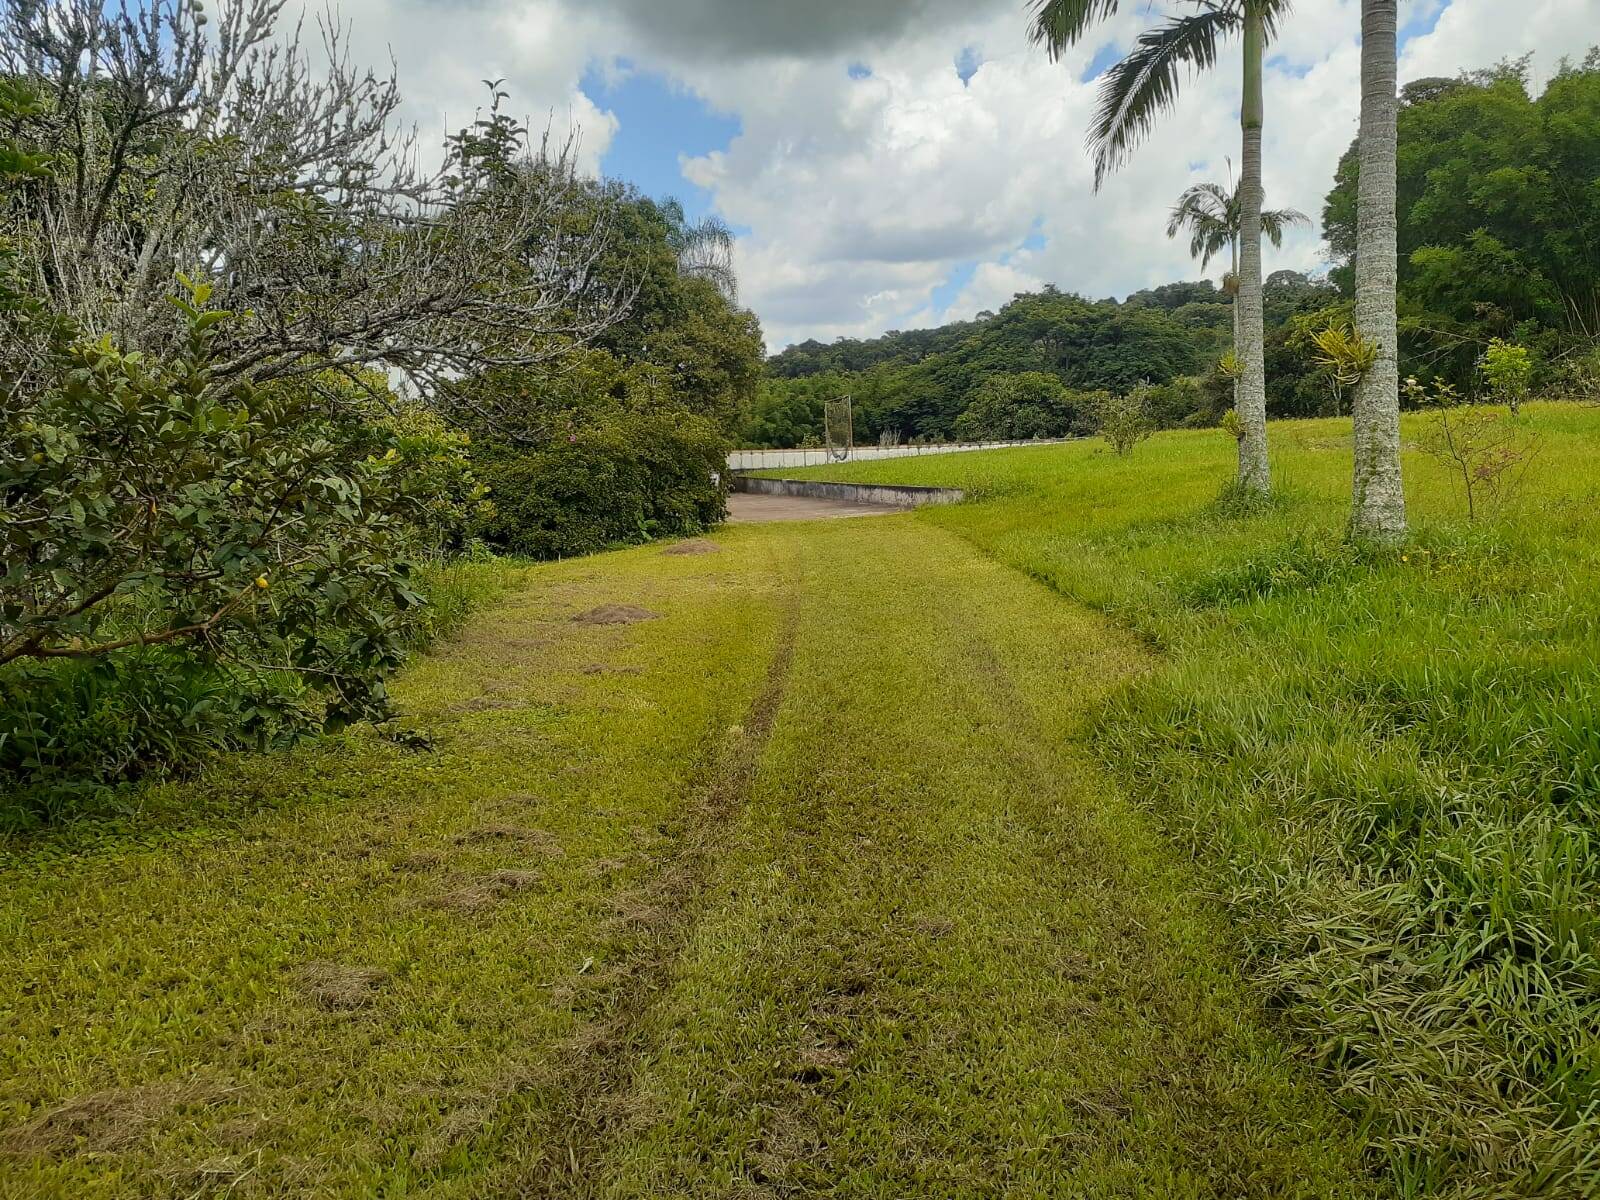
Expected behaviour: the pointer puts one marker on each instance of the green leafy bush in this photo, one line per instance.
(145, 506)
(1124, 420)
(192, 564)
(1508, 370)
(630, 476)
(73, 731)
(443, 497)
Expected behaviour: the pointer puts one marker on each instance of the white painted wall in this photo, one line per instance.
(766, 460)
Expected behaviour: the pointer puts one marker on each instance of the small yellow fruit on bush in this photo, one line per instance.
(261, 581)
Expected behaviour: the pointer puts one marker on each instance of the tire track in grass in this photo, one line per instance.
(930, 968)
(1192, 1076)
(367, 967)
(591, 1080)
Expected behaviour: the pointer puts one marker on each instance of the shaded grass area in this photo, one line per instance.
(1388, 762)
(800, 879)
(82, 740)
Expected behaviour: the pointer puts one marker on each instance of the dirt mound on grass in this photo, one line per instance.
(485, 892)
(694, 546)
(336, 986)
(539, 838)
(615, 614)
(422, 860)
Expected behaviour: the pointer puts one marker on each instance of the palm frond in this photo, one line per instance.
(1202, 202)
(1145, 84)
(1206, 211)
(1275, 222)
(1058, 24)
(720, 274)
(1207, 244)
(710, 233)
(1272, 14)
(705, 251)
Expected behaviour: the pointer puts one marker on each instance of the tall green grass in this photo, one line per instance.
(1388, 761)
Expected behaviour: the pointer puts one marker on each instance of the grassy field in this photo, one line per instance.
(801, 879)
(1094, 838)
(1388, 764)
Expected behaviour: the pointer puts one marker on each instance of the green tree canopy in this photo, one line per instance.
(1499, 207)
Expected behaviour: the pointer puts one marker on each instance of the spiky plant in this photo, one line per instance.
(1136, 93)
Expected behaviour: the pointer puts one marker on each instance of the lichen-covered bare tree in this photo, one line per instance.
(1142, 87)
(1379, 510)
(269, 164)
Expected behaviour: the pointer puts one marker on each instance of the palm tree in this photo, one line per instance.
(704, 248)
(1212, 217)
(1379, 508)
(1136, 92)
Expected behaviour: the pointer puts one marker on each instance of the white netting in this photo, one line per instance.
(838, 427)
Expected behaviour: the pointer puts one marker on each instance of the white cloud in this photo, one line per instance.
(444, 53)
(863, 196)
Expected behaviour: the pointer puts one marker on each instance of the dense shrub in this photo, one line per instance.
(1018, 407)
(190, 564)
(628, 477)
(78, 735)
(443, 496)
(213, 518)
(71, 730)
(250, 524)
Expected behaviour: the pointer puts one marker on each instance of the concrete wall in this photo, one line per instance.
(764, 460)
(893, 495)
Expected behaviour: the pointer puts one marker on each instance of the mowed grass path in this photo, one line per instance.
(807, 886)
(1387, 764)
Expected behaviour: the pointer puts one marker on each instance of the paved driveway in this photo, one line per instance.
(747, 508)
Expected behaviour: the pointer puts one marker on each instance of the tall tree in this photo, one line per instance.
(1136, 92)
(1499, 218)
(276, 170)
(1379, 508)
(1212, 217)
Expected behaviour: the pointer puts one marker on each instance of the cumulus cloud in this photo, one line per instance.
(891, 148)
(444, 53)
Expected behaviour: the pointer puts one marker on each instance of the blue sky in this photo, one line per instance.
(659, 123)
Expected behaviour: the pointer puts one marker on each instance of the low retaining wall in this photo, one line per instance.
(766, 460)
(890, 495)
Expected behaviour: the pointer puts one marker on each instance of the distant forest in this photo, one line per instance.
(1499, 238)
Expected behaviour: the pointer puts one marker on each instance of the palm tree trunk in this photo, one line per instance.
(1254, 472)
(1379, 509)
(1235, 299)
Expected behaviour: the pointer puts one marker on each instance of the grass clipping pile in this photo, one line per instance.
(615, 614)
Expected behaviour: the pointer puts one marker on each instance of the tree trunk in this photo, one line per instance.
(1235, 306)
(1254, 473)
(1379, 509)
